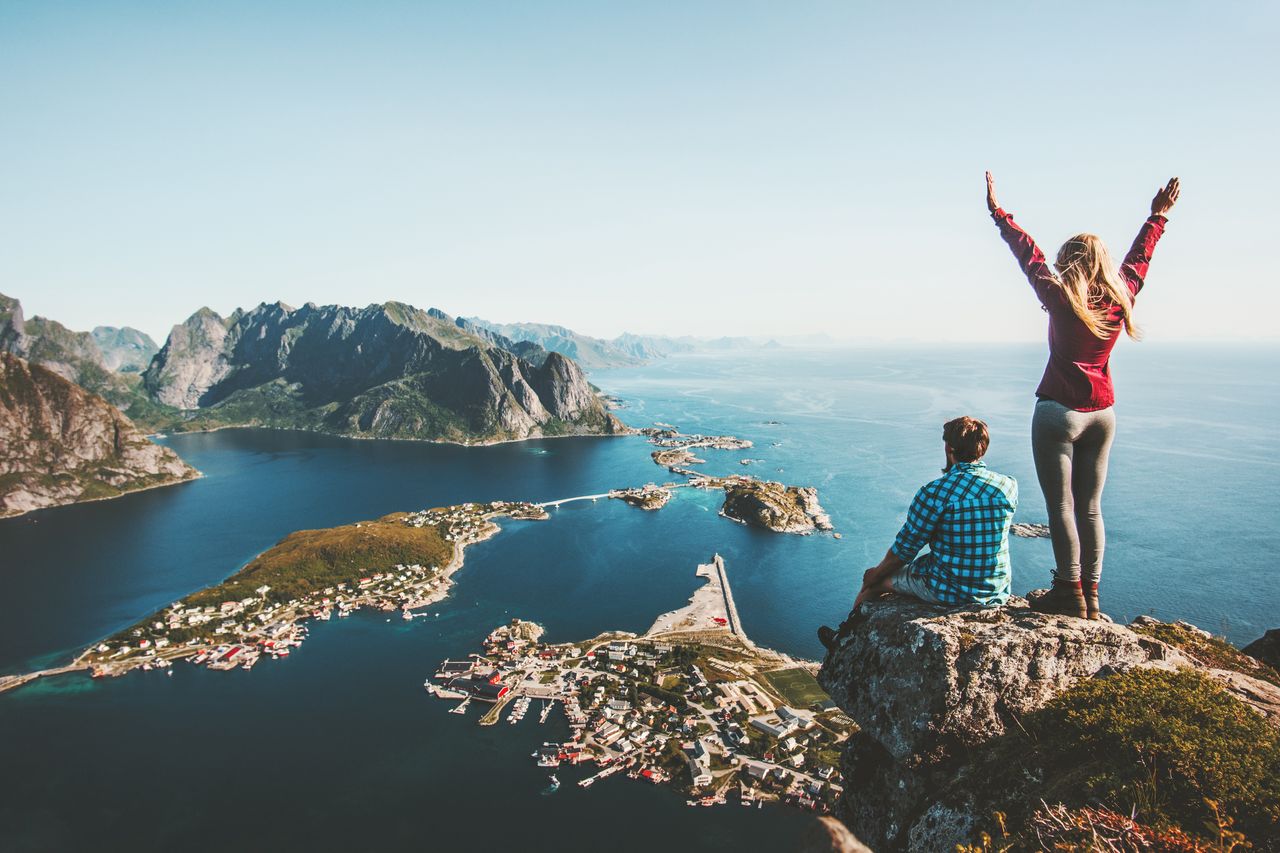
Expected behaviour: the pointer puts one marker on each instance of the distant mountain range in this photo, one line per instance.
(626, 350)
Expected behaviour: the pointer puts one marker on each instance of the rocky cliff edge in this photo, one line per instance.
(941, 695)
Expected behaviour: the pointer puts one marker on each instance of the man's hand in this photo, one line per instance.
(869, 580)
(1166, 197)
(991, 193)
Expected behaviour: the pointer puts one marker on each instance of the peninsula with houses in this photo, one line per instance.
(692, 703)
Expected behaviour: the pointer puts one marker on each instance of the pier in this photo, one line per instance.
(711, 608)
(731, 609)
(8, 682)
(494, 714)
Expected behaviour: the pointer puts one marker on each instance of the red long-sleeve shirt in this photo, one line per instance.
(1078, 374)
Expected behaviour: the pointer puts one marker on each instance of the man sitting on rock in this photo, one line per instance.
(964, 517)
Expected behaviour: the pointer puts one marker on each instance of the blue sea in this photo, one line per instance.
(338, 747)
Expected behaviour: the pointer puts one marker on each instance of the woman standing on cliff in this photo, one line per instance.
(1089, 302)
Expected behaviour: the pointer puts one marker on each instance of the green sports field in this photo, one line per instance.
(797, 686)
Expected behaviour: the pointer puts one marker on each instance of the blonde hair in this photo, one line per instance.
(1089, 279)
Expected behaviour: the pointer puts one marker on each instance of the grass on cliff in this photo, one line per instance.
(309, 560)
(1209, 651)
(1171, 748)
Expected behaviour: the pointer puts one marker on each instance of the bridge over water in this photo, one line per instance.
(546, 504)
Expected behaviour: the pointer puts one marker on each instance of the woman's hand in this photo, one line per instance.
(1164, 201)
(991, 193)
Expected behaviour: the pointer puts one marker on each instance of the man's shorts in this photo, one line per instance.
(909, 580)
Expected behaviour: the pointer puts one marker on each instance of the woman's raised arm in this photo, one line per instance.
(1030, 258)
(1138, 261)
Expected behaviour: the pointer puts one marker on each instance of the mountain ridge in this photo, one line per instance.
(386, 370)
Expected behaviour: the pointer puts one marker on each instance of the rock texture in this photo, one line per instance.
(929, 685)
(388, 370)
(60, 444)
(827, 835)
(124, 349)
(774, 506)
(1266, 648)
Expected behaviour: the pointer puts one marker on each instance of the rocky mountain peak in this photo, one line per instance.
(563, 387)
(125, 349)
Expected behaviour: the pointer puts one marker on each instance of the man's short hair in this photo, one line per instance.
(967, 437)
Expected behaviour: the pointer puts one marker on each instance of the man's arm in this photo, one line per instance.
(1138, 261)
(922, 520)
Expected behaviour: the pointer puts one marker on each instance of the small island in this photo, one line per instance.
(675, 457)
(675, 447)
(648, 496)
(774, 506)
(748, 500)
(691, 703)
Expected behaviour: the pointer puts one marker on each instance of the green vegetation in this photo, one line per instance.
(1171, 748)
(1210, 651)
(274, 404)
(797, 686)
(309, 560)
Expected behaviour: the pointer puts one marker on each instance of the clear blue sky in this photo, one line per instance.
(719, 168)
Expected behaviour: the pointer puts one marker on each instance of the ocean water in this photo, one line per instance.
(339, 747)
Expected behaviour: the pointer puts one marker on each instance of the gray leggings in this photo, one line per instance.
(1071, 450)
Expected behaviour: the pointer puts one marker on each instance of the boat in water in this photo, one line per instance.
(553, 787)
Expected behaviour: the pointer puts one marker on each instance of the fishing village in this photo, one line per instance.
(691, 703)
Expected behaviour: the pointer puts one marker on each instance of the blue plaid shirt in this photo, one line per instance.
(963, 516)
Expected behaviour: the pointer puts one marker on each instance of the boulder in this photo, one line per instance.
(929, 686)
(1266, 648)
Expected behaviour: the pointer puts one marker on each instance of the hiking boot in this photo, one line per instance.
(827, 636)
(1091, 601)
(1066, 598)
